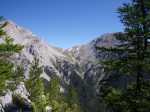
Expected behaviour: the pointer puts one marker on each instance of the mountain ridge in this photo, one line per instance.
(77, 66)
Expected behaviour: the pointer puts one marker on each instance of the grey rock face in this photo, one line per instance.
(21, 91)
(77, 66)
(6, 99)
(1, 108)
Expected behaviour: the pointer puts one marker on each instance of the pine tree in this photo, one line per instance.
(7, 49)
(54, 88)
(133, 60)
(54, 97)
(17, 77)
(59, 101)
(73, 104)
(35, 87)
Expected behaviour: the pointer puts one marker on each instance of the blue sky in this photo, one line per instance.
(64, 23)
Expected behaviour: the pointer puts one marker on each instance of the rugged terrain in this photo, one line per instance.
(77, 66)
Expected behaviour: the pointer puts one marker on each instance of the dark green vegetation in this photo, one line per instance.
(41, 96)
(124, 85)
(35, 87)
(132, 62)
(7, 49)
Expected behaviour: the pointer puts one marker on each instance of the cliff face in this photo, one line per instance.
(77, 66)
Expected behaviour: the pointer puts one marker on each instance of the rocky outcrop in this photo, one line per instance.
(77, 66)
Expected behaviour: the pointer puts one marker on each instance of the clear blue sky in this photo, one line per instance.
(64, 23)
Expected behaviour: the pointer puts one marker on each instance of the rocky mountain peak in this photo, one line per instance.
(76, 66)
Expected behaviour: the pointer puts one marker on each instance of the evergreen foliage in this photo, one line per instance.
(59, 101)
(35, 87)
(17, 77)
(7, 49)
(51, 95)
(133, 60)
(73, 101)
(54, 98)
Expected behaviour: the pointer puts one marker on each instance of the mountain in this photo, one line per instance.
(77, 66)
